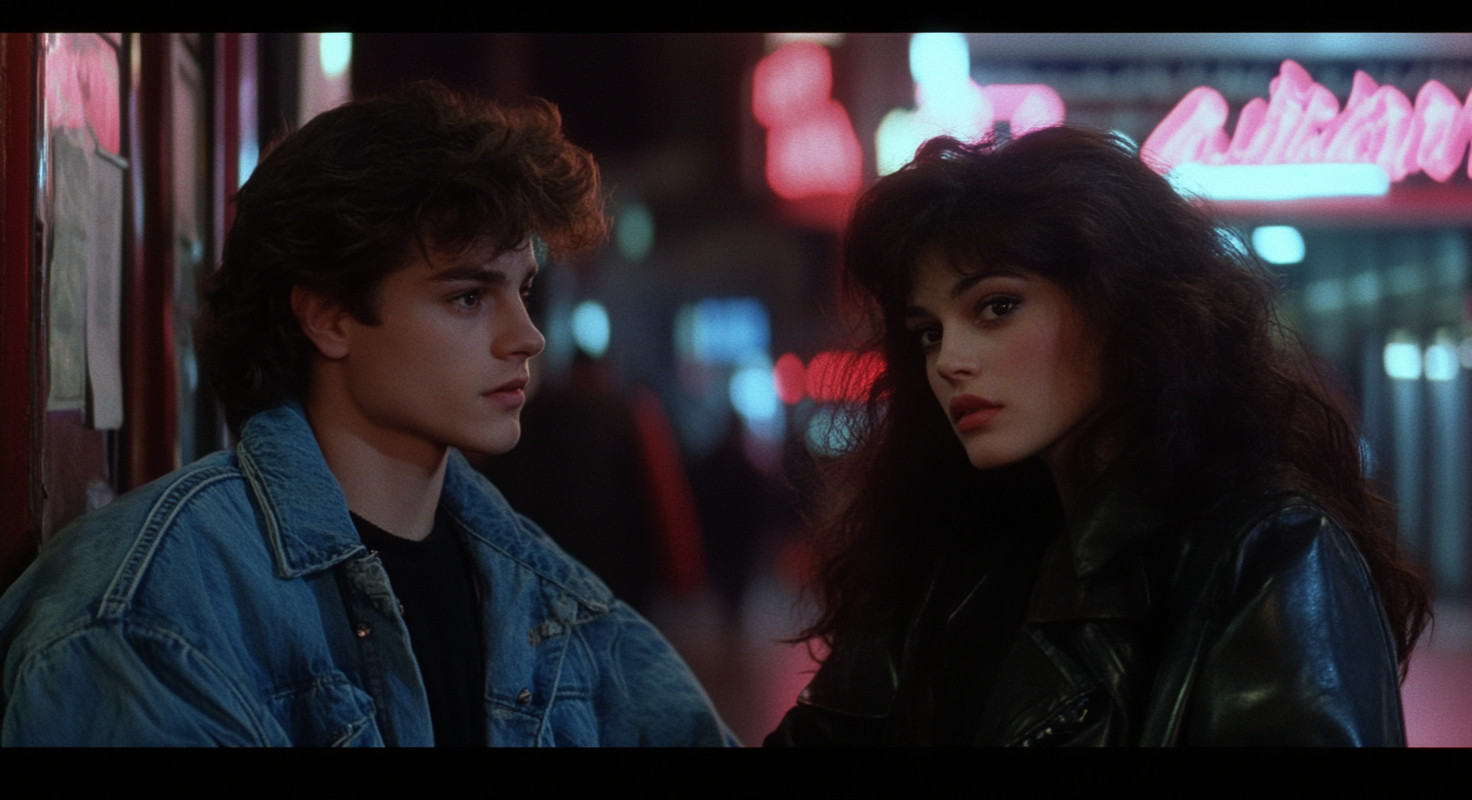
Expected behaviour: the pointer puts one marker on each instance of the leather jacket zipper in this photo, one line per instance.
(1070, 718)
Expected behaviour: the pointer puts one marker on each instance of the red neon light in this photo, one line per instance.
(811, 145)
(790, 378)
(1302, 123)
(819, 155)
(1025, 106)
(789, 81)
(842, 376)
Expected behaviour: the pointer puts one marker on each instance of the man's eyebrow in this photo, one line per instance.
(480, 273)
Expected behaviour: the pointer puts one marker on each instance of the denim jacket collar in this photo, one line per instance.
(308, 528)
(485, 516)
(306, 518)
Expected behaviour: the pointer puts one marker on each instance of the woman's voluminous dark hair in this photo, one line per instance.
(354, 195)
(1201, 382)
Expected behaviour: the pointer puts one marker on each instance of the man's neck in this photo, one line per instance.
(395, 488)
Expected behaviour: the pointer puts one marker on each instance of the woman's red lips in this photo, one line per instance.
(970, 412)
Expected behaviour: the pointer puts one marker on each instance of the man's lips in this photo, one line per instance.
(970, 412)
(509, 392)
(515, 385)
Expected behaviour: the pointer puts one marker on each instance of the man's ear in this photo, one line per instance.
(325, 322)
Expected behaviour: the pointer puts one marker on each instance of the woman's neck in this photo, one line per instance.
(1081, 456)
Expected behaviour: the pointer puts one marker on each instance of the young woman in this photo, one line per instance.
(1101, 496)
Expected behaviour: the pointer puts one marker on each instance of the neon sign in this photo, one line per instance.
(1301, 123)
(1297, 142)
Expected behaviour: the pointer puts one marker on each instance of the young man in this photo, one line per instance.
(342, 576)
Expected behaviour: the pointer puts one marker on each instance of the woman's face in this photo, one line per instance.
(1009, 358)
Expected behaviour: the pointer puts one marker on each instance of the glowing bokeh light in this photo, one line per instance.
(949, 102)
(250, 155)
(789, 82)
(790, 378)
(633, 232)
(896, 139)
(781, 39)
(1324, 296)
(753, 394)
(820, 155)
(832, 430)
(1364, 288)
(733, 331)
(842, 376)
(590, 328)
(1278, 244)
(335, 52)
(812, 149)
(1025, 106)
(1440, 359)
(1402, 359)
(1441, 363)
(939, 60)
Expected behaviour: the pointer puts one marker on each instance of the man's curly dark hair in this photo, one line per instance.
(341, 203)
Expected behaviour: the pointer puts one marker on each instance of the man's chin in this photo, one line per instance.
(485, 448)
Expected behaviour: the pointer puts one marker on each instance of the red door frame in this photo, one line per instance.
(19, 337)
(147, 439)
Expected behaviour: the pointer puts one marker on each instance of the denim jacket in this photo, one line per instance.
(232, 603)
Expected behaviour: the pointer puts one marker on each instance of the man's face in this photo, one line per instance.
(446, 364)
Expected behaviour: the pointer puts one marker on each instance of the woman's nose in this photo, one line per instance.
(954, 362)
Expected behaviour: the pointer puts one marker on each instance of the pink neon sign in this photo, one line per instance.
(1025, 107)
(811, 145)
(1301, 122)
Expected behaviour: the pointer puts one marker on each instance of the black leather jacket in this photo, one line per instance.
(1257, 625)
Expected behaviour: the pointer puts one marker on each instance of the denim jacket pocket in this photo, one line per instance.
(326, 711)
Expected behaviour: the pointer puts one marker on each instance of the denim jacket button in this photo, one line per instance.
(524, 696)
(363, 629)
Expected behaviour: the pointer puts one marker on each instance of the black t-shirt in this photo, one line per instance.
(436, 586)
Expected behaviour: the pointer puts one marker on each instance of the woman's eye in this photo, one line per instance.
(928, 337)
(998, 306)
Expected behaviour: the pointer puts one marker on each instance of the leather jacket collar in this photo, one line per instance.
(1097, 569)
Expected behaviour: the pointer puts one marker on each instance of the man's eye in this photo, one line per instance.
(467, 300)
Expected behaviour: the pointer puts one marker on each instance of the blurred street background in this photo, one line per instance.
(687, 386)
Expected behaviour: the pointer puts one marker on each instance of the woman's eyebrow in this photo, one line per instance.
(971, 279)
(967, 281)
